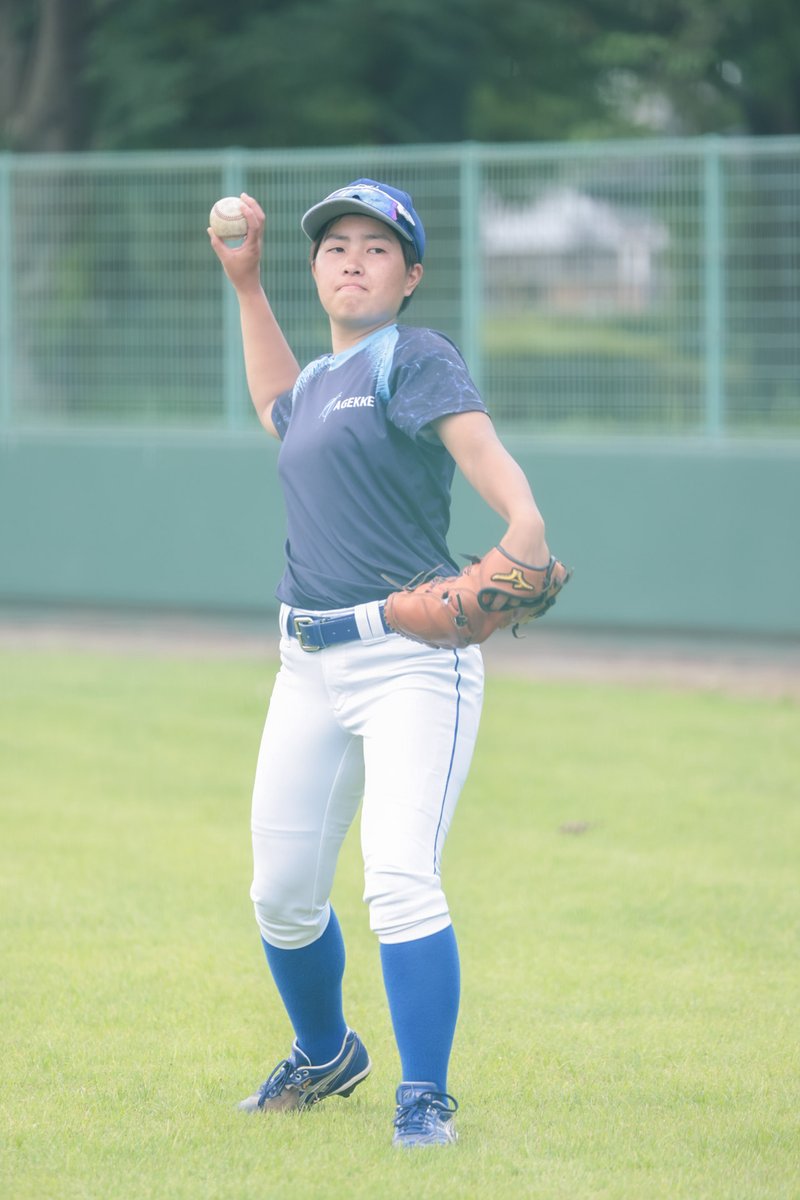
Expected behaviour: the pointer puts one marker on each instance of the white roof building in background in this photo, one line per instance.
(572, 252)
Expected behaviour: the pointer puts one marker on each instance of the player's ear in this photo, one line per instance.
(412, 278)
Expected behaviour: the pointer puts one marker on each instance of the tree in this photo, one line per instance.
(41, 93)
(111, 74)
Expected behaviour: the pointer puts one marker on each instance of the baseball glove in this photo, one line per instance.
(491, 593)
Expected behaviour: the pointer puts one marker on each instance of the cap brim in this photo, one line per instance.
(319, 216)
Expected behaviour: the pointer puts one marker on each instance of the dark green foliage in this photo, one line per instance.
(109, 74)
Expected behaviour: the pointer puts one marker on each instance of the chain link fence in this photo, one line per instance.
(631, 287)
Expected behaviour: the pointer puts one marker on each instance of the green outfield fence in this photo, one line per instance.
(625, 287)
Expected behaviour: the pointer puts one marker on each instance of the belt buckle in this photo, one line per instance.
(300, 624)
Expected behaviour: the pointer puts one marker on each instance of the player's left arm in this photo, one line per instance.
(498, 479)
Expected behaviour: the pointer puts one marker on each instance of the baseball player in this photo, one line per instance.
(363, 715)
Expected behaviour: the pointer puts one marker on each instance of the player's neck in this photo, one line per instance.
(344, 337)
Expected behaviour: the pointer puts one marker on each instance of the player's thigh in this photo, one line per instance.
(308, 782)
(418, 745)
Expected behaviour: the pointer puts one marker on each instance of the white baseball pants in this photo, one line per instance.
(383, 719)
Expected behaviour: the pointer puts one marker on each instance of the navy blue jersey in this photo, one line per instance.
(365, 480)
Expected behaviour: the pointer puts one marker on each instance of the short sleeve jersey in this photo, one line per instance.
(366, 482)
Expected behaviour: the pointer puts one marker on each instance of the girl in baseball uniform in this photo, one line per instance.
(370, 437)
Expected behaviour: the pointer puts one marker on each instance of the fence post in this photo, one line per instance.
(6, 299)
(471, 261)
(233, 362)
(714, 284)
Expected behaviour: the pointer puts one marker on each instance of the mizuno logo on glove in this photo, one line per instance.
(516, 579)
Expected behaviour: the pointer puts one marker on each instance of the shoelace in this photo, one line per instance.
(277, 1081)
(417, 1115)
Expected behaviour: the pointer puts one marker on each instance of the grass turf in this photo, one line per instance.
(623, 877)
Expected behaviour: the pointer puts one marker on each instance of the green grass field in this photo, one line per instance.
(630, 1002)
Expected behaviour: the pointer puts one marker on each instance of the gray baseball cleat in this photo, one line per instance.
(296, 1085)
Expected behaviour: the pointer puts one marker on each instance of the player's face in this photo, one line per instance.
(361, 276)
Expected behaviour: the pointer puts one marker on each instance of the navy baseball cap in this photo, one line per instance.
(373, 199)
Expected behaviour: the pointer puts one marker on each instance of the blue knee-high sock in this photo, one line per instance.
(309, 981)
(423, 985)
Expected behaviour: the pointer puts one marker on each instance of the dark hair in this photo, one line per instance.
(409, 252)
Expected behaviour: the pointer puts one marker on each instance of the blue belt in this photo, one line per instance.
(317, 633)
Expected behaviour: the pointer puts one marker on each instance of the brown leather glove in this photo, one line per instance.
(491, 593)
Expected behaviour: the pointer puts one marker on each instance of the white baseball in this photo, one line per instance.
(226, 218)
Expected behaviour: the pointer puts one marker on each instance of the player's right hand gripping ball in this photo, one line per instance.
(491, 593)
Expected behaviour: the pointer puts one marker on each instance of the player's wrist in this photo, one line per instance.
(525, 541)
(249, 290)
